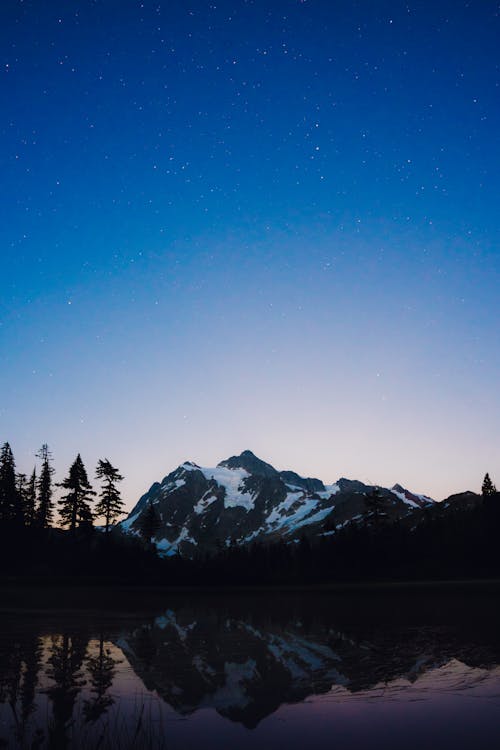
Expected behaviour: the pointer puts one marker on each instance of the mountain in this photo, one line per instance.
(244, 499)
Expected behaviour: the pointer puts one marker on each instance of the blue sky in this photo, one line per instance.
(239, 225)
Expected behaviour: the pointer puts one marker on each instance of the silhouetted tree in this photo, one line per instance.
(22, 486)
(110, 504)
(26, 489)
(74, 506)
(29, 500)
(45, 510)
(488, 487)
(10, 502)
(149, 523)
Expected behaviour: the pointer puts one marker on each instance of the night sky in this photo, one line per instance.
(268, 224)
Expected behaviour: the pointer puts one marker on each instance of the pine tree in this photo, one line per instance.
(45, 511)
(10, 502)
(110, 504)
(74, 506)
(488, 487)
(149, 523)
(30, 500)
(22, 489)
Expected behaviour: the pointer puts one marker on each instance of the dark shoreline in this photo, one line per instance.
(441, 597)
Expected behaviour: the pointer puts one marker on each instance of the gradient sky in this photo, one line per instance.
(265, 225)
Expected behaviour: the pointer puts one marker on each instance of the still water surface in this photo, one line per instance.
(292, 671)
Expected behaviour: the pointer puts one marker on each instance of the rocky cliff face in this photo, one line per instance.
(244, 499)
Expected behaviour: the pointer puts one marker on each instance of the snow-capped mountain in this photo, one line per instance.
(244, 499)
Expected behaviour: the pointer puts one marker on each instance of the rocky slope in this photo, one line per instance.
(244, 499)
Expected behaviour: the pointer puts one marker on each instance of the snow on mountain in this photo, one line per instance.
(244, 499)
(233, 482)
(414, 500)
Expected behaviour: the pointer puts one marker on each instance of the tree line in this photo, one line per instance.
(29, 501)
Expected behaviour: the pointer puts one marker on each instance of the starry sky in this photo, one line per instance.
(252, 224)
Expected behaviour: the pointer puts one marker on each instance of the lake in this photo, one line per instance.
(402, 668)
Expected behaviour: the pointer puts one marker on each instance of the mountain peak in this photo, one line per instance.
(398, 488)
(251, 463)
(412, 498)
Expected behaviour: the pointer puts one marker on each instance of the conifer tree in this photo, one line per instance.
(22, 488)
(149, 523)
(488, 487)
(110, 504)
(10, 502)
(74, 506)
(29, 504)
(45, 510)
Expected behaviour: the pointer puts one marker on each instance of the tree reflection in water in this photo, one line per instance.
(101, 669)
(20, 661)
(64, 668)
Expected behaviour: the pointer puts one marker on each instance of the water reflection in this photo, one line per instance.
(101, 669)
(245, 670)
(233, 672)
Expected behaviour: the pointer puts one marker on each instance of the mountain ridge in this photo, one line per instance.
(245, 499)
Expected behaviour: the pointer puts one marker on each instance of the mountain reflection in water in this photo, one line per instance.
(266, 673)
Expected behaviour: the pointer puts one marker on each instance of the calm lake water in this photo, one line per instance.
(399, 670)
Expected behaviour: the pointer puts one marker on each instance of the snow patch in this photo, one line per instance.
(315, 518)
(283, 514)
(253, 534)
(127, 523)
(405, 499)
(167, 549)
(305, 512)
(207, 499)
(190, 466)
(172, 486)
(330, 489)
(231, 480)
